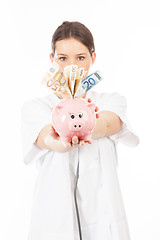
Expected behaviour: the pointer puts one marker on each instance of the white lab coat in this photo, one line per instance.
(100, 204)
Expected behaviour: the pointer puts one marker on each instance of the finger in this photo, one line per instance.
(96, 109)
(67, 144)
(89, 142)
(75, 140)
(82, 142)
(97, 115)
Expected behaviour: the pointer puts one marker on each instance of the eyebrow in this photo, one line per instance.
(81, 54)
(62, 54)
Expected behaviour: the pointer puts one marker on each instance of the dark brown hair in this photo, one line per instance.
(73, 30)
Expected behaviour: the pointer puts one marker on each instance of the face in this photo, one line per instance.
(71, 51)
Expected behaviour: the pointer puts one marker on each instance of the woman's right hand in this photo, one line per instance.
(68, 146)
(74, 143)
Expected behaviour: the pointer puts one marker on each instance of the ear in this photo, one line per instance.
(51, 57)
(92, 106)
(93, 57)
(58, 109)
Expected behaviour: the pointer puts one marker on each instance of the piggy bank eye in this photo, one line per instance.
(72, 116)
(80, 115)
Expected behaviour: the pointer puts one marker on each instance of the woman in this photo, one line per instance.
(96, 210)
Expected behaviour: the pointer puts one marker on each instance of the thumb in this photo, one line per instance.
(75, 140)
(52, 131)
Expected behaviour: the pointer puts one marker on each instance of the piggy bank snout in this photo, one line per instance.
(76, 126)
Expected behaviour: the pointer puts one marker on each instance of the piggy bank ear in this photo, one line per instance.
(92, 107)
(58, 109)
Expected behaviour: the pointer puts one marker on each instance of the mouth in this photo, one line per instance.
(75, 130)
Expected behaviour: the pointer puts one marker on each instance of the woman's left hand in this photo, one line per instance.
(96, 109)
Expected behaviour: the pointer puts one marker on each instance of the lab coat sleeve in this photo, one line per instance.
(117, 104)
(35, 115)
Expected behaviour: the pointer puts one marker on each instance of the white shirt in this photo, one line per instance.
(100, 204)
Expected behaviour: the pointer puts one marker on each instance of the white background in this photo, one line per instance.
(127, 39)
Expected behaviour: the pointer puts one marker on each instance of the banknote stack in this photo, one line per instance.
(70, 83)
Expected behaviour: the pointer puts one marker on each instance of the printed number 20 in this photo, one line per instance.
(90, 82)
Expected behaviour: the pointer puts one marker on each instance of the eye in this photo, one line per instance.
(62, 59)
(81, 58)
(72, 116)
(80, 115)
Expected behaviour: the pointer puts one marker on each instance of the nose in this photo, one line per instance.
(77, 126)
(72, 62)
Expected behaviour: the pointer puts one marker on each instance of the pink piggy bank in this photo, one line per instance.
(74, 117)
